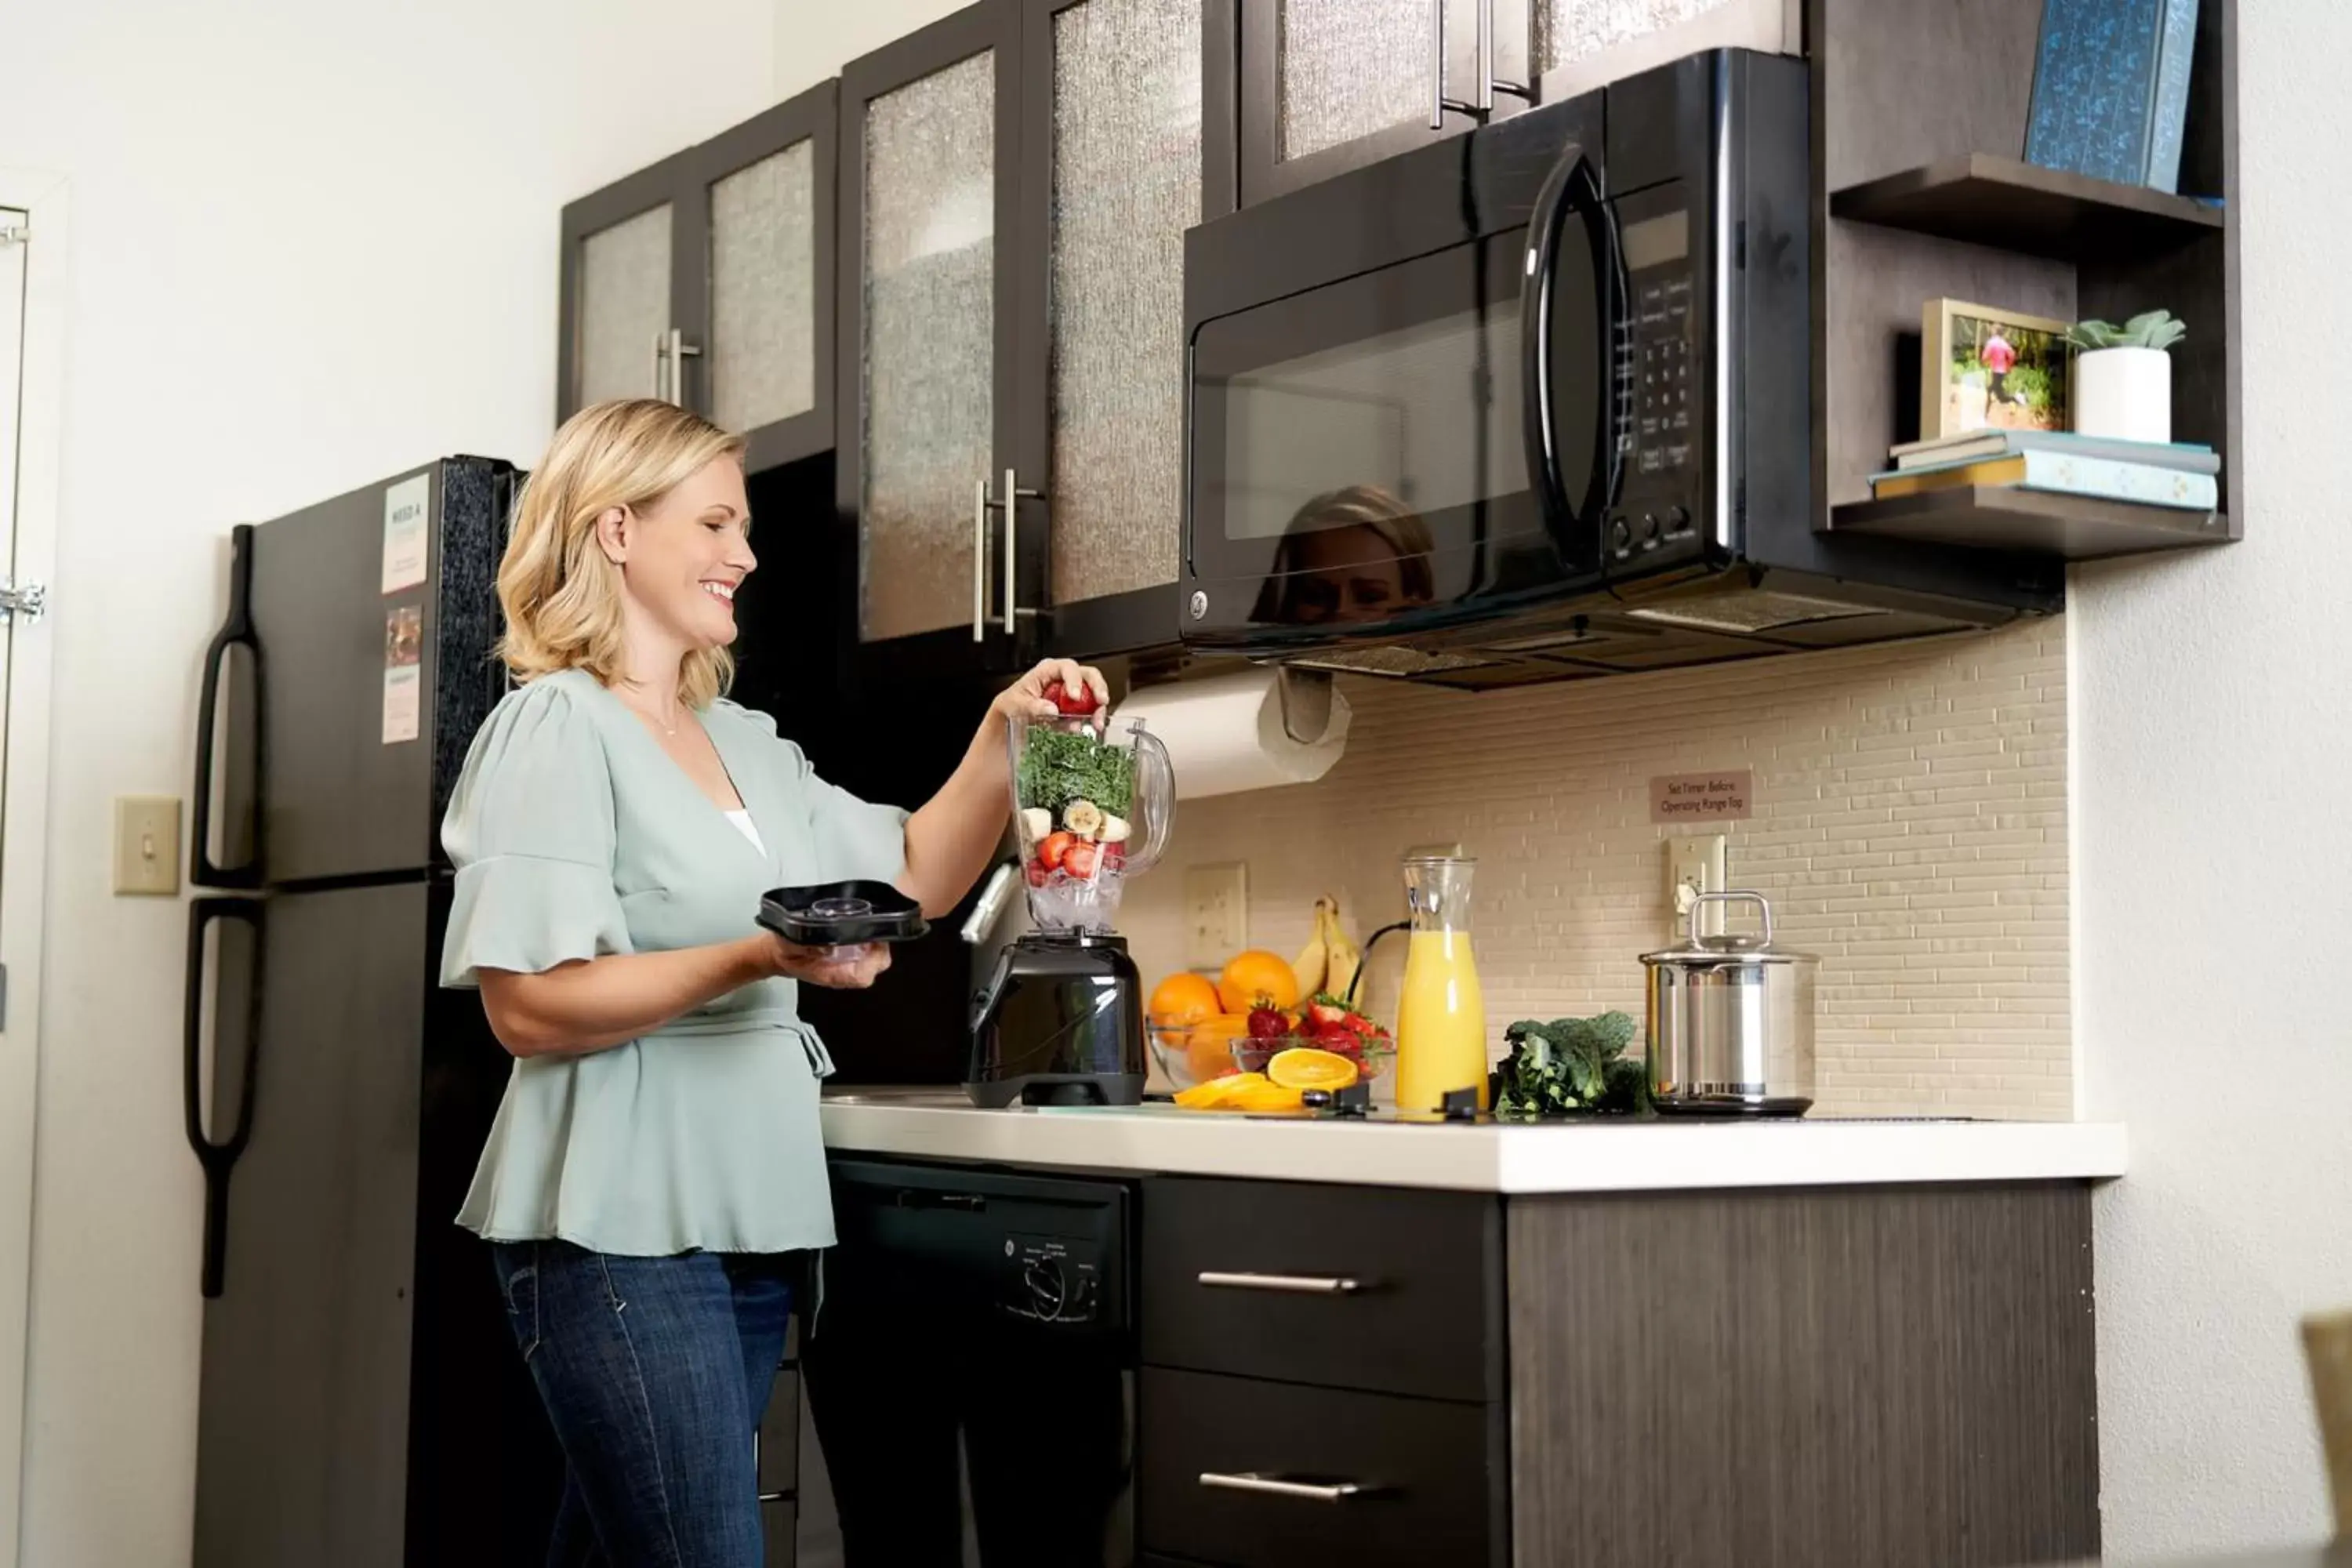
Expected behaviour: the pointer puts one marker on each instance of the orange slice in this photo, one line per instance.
(1265, 1097)
(1302, 1066)
(1219, 1093)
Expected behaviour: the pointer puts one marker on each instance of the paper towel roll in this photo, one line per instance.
(1255, 729)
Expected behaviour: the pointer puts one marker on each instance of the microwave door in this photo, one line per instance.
(1575, 364)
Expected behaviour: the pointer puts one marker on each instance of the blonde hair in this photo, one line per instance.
(562, 594)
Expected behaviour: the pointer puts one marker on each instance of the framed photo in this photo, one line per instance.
(1987, 369)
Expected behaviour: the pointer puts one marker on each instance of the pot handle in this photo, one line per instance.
(1763, 907)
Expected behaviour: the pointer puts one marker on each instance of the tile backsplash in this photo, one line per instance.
(1909, 828)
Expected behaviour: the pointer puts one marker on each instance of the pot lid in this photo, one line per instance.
(1728, 948)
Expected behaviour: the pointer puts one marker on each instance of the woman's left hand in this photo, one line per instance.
(1027, 698)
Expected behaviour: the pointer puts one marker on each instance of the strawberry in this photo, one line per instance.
(1336, 1040)
(1268, 1023)
(1357, 1024)
(1039, 873)
(1075, 704)
(1321, 1011)
(1114, 855)
(1053, 851)
(1079, 860)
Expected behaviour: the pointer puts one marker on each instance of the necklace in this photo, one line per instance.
(654, 719)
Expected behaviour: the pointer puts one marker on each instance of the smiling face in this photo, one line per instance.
(683, 557)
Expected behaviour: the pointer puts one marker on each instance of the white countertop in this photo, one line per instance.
(1578, 1157)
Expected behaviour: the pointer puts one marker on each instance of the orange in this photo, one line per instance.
(1183, 998)
(1257, 978)
(1209, 1049)
(1302, 1066)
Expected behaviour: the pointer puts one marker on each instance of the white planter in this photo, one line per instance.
(2125, 394)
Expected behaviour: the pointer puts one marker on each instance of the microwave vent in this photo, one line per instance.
(1405, 663)
(1748, 613)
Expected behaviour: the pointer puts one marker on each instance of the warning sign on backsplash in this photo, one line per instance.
(1725, 797)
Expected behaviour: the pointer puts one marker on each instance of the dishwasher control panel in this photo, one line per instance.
(1052, 1278)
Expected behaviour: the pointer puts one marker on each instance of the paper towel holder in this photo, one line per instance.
(1305, 697)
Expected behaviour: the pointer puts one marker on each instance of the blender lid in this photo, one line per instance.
(841, 914)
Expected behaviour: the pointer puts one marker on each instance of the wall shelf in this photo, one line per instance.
(1996, 517)
(2012, 205)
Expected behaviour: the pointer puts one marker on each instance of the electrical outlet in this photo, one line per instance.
(146, 843)
(1695, 865)
(1216, 913)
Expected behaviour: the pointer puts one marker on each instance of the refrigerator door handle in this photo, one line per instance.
(218, 1155)
(236, 631)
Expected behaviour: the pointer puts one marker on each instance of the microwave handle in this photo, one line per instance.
(1571, 189)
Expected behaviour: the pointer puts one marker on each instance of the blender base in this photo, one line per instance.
(1058, 1088)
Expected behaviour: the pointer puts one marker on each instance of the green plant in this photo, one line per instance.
(2149, 330)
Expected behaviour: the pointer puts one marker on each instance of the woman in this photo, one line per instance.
(657, 1156)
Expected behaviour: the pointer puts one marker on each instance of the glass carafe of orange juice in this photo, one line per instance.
(1441, 1018)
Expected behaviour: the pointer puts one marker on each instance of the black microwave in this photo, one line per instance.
(1539, 402)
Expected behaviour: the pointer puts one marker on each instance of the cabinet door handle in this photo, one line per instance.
(1290, 1284)
(661, 358)
(680, 350)
(1014, 496)
(1481, 105)
(980, 560)
(1275, 1486)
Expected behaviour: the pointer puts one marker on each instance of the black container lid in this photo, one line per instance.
(841, 914)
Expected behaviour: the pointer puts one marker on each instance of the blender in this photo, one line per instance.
(1060, 1018)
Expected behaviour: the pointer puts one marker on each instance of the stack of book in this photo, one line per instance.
(2148, 473)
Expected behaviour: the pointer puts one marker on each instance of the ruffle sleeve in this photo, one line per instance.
(529, 830)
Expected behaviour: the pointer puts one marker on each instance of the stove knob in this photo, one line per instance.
(1620, 534)
(1678, 520)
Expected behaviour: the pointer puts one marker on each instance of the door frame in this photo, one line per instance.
(24, 777)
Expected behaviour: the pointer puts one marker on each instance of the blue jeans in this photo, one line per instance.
(655, 1372)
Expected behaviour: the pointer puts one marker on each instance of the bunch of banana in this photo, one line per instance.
(1328, 962)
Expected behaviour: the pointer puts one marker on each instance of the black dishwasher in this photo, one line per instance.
(971, 1374)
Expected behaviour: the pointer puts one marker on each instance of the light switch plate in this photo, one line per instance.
(1695, 865)
(1216, 913)
(147, 844)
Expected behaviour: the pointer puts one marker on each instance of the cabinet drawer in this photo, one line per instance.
(1373, 1288)
(1425, 1494)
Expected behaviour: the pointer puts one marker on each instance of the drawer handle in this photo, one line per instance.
(1275, 1486)
(1291, 1284)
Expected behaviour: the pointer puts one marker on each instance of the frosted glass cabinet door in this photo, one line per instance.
(1326, 85)
(765, 201)
(1579, 45)
(619, 289)
(923, 187)
(1115, 102)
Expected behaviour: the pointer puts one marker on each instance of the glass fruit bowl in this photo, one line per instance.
(1187, 1056)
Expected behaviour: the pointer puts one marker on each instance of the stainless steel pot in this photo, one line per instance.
(1731, 1021)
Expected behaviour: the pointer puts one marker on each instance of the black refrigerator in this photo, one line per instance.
(361, 1404)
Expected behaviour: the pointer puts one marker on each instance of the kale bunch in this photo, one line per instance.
(1570, 1066)
(1058, 766)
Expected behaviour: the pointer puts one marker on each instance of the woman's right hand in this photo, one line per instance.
(855, 969)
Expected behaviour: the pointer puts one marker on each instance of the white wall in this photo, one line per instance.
(814, 38)
(313, 245)
(2214, 721)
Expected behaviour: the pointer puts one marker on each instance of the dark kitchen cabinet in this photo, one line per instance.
(1019, 178)
(706, 280)
(1350, 1374)
(1324, 85)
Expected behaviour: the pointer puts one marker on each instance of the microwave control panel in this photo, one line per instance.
(1662, 381)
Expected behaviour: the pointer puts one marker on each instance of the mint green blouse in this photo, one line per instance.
(574, 834)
